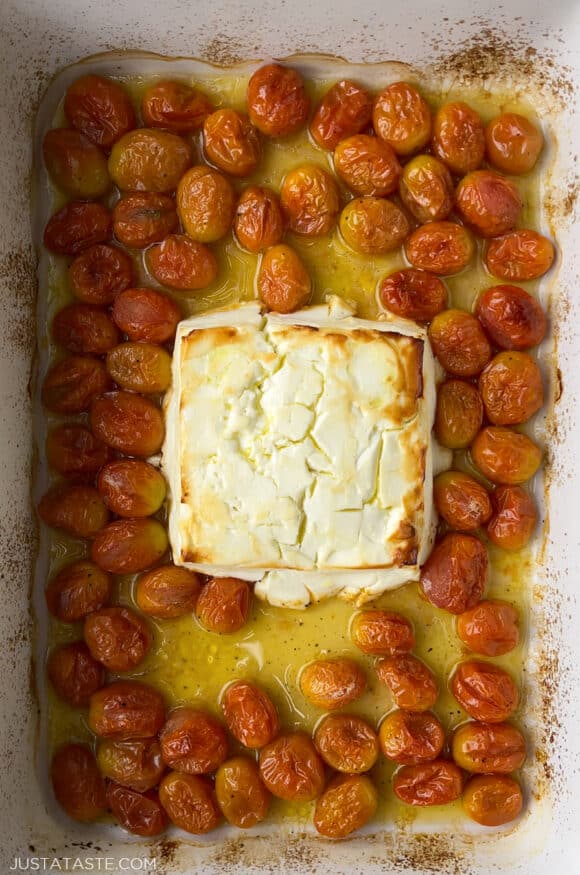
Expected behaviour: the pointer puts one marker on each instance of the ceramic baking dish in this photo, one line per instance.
(535, 52)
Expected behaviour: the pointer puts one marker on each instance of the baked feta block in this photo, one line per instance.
(299, 451)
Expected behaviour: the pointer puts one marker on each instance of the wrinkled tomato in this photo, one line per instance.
(402, 118)
(241, 795)
(413, 294)
(277, 101)
(435, 783)
(74, 452)
(512, 318)
(190, 802)
(259, 222)
(514, 517)
(368, 166)
(426, 189)
(490, 628)
(411, 737)
(100, 108)
(139, 813)
(132, 488)
(347, 743)
(382, 633)
(348, 802)
(291, 768)
(492, 800)
(513, 143)
(511, 388)
(459, 137)
(373, 225)
(193, 741)
(206, 203)
(128, 423)
(455, 574)
(126, 710)
(149, 160)
(181, 263)
(332, 683)
(77, 226)
(461, 500)
(459, 342)
(140, 367)
(77, 783)
(505, 456)
(128, 546)
(99, 273)
(231, 142)
(488, 202)
(488, 747)
(78, 589)
(145, 314)
(117, 637)
(78, 510)
(346, 109)
(83, 328)
(250, 714)
(168, 592)
(458, 415)
(133, 762)
(71, 385)
(486, 691)
(411, 683)
(224, 605)
(520, 255)
(310, 201)
(75, 164)
(74, 673)
(441, 247)
(143, 218)
(175, 106)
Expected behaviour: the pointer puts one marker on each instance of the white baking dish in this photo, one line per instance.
(35, 42)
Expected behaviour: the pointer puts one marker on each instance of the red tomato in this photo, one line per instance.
(455, 574)
(100, 108)
(175, 106)
(144, 314)
(82, 328)
(413, 294)
(277, 100)
(74, 452)
(71, 385)
(139, 813)
(77, 226)
(99, 273)
(514, 517)
(74, 673)
(512, 318)
(77, 783)
(520, 255)
(346, 109)
(402, 118)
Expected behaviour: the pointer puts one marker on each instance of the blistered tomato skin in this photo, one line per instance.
(146, 315)
(99, 273)
(76, 509)
(309, 200)
(435, 783)
(348, 802)
(284, 284)
(413, 294)
(520, 255)
(513, 143)
(206, 204)
(77, 783)
(175, 106)
(190, 802)
(71, 385)
(461, 500)
(259, 222)
(277, 101)
(128, 423)
(149, 160)
(126, 709)
(488, 747)
(409, 737)
(193, 741)
(77, 589)
(412, 684)
(128, 546)
(443, 248)
(490, 628)
(458, 415)
(74, 673)
(505, 456)
(77, 226)
(143, 218)
(84, 329)
(138, 813)
(382, 633)
(167, 592)
(485, 691)
(514, 517)
(134, 763)
(140, 367)
(458, 137)
(512, 318)
(511, 388)
(241, 795)
(75, 164)
(402, 118)
(346, 109)
(100, 108)
(250, 714)
(488, 202)
(231, 142)
(180, 263)
(373, 226)
(459, 343)
(347, 743)
(75, 453)
(291, 768)
(224, 605)
(332, 683)
(426, 189)
(118, 638)
(368, 166)
(492, 800)
(455, 574)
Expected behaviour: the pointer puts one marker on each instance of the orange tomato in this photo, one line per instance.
(206, 203)
(128, 546)
(193, 742)
(240, 793)
(75, 164)
(132, 488)
(402, 118)
(139, 813)
(77, 783)
(284, 283)
(512, 318)
(459, 414)
(71, 385)
(382, 633)
(175, 106)
(485, 691)
(100, 108)
(76, 509)
(231, 142)
(190, 802)
(435, 783)
(128, 423)
(145, 314)
(167, 592)
(411, 683)
(492, 800)
(291, 768)
(346, 109)
(180, 263)
(75, 453)
(348, 802)
(373, 225)
(413, 294)
(332, 683)
(133, 762)
(74, 673)
(505, 456)
(426, 189)
(511, 388)
(126, 710)
(458, 137)
(143, 218)
(347, 743)
(224, 605)
(520, 255)
(411, 737)
(149, 160)
(277, 101)
(488, 747)
(459, 342)
(441, 247)
(77, 226)
(455, 574)
(488, 202)
(513, 143)
(99, 273)
(250, 714)
(514, 517)
(82, 328)
(78, 589)
(140, 367)
(259, 222)
(490, 628)
(117, 637)
(309, 200)
(368, 166)
(461, 500)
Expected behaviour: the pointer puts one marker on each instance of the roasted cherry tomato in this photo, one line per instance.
(193, 741)
(291, 768)
(490, 628)
(82, 328)
(231, 142)
(459, 414)
(459, 137)
(382, 633)
(442, 247)
(332, 683)
(128, 546)
(514, 517)
(240, 793)
(511, 388)
(175, 106)
(412, 685)
(77, 226)
(190, 802)
(402, 118)
(206, 203)
(180, 263)
(435, 783)
(140, 367)
(143, 218)
(77, 783)
(461, 500)
(250, 714)
(126, 709)
(505, 456)
(348, 802)
(488, 202)
(492, 800)
(455, 574)
(409, 737)
(76, 509)
(128, 423)
(426, 189)
(259, 222)
(78, 589)
(144, 314)
(132, 488)
(99, 273)
(149, 160)
(485, 691)
(413, 294)
(168, 592)
(134, 763)
(459, 343)
(346, 109)
(513, 143)
(117, 637)
(139, 813)
(74, 673)
(277, 101)
(512, 318)
(520, 255)
(488, 747)
(284, 283)
(75, 164)
(368, 166)
(309, 200)
(347, 743)
(224, 605)
(75, 452)
(72, 384)
(100, 108)
(373, 225)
